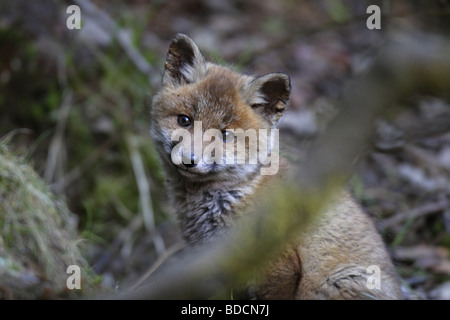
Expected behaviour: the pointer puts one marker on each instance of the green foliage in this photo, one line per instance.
(274, 26)
(337, 10)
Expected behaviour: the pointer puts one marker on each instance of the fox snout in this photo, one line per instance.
(188, 159)
(182, 157)
(191, 161)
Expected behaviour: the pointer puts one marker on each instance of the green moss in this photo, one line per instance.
(38, 240)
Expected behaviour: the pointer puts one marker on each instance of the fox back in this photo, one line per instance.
(200, 120)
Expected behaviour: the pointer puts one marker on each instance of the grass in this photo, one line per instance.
(38, 238)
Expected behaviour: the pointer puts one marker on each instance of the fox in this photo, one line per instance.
(332, 258)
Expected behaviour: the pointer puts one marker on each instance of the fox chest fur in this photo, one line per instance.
(197, 119)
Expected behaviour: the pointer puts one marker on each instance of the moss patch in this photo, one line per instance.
(38, 240)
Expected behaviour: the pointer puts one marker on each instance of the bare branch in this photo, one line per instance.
(144, 194)
(57, 152)
(421, 211)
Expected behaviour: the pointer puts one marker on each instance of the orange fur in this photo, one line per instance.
(330, 259)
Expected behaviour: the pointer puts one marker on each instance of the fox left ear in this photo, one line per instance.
(184, 62)
(269, 95)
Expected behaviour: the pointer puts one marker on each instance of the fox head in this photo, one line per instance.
(209, 122)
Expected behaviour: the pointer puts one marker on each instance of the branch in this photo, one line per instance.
(144, 194)
(401, 217)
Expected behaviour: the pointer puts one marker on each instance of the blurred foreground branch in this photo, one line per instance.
(408, 65)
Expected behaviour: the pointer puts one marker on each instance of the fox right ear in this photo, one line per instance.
(269, 95)
(184, 62)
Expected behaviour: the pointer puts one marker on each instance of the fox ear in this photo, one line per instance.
(269, 95)
(184, 62)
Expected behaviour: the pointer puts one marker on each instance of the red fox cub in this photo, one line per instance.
(200, 120)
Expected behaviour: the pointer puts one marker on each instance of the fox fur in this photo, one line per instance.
(330, 259)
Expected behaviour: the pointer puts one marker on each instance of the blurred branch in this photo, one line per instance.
(409, 64)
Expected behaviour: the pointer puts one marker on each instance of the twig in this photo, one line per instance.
(396, 136)
(144, 194)
(8, 136)
(167, 254)
(57, 151)
(414, 213)
(124, 234)
(76, 172)
(426, 159)
(427, 127)
(426, 257)
(419, 251)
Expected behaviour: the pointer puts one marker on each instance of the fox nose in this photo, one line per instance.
(192, 162)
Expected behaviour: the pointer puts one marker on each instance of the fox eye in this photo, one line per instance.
(184, 120)
(227, 136)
